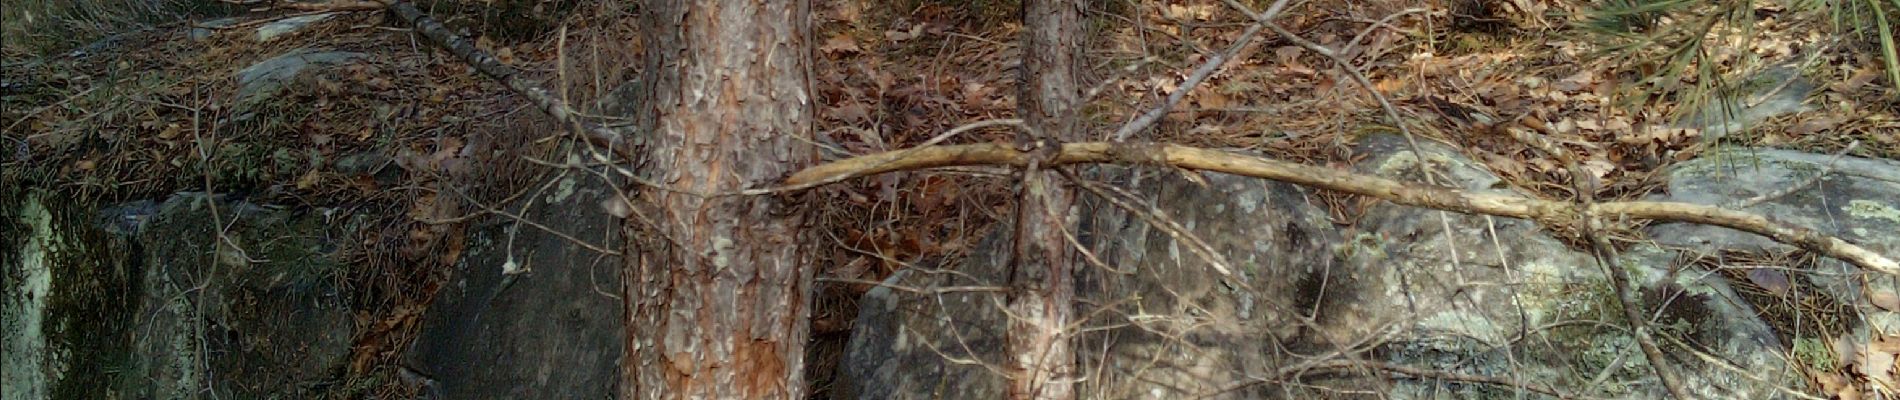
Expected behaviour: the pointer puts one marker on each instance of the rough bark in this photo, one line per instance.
(1042, 301)
(717, 295)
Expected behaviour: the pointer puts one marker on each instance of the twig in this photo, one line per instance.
(1593, 230)
(1391, 112)
(1826, 169)
(1425, 373)
(1718, 362)
(896, 154)
(557, 233)
(1385, 22)
(932, 290)
(1155, 217)
(1551, 213)
(1206, 69)
(332, 6)
(489, 66)
(30, 114)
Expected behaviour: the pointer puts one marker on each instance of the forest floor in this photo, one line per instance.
(145, 113)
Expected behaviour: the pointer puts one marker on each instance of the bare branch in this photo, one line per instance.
(1545, 211)
(1206, 69)
(1593, 230)
(489, 66)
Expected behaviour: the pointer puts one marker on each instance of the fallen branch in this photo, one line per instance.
(489, 66)
(1551, 213)
(1593, 230)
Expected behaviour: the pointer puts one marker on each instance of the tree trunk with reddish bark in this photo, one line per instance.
(1042, 355)
(718, 286)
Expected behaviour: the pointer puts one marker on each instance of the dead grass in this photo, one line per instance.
(31, 28)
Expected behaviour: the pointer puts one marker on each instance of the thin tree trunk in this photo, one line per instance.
(1041, 350)
(717, 292)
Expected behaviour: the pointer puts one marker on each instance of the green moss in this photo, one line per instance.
(1872, 210)
(1814, 353)
(88, 288)
(1365, 244)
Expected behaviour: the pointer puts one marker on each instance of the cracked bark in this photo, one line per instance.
(1042, 355)
(717, 292)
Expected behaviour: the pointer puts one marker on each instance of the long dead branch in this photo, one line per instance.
(494, 69)
(1544, 211)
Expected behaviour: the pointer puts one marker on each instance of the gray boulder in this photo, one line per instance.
(162, 300)
(263, 80)
(528, 314)
(1513, 301)
(1403, 289)
(1857, 200)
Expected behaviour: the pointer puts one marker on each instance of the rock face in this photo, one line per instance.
(1173, 327)
(1502, 297)
(1857, 200)
(163, 300)
(1402, 288)
(264, 79)
(286, 26)
(156, 300)
(552, 330)
(1775, 91)
(260, 302)
(57, 333)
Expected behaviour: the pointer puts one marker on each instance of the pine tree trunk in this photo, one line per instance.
(1042, 302)
(718, 292)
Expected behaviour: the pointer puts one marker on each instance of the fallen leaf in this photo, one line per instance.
(852, 113)
(841, 43)
(1878, 367)
(1769, 279)
(1861, 78)
(1885, 299)
(899, 36)
(1812, 126)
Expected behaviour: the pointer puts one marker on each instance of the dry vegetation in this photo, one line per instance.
(112, 124)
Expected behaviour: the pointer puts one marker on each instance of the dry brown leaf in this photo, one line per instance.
(1211, 99)
(1862, 77)
(841, 43)
(900, 36)
(1887, 344)
(1878, 367)
(1885, 299)
(1769, 279)
(1576, 82)
(1813, 126)
(1504, 165)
